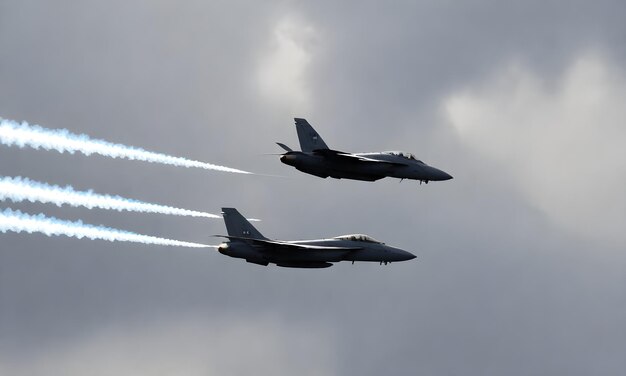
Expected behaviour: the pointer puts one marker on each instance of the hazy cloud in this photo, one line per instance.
(283, 75)
(511, 277)
(188, 346)
(562, 143)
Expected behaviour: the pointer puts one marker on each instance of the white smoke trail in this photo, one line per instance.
(62, 140)
(23, 189)
(16, 221)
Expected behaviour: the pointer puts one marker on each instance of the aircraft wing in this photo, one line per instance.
(287, 245)
(348, 157)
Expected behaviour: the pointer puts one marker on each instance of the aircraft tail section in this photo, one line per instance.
(309, 139)
(237, 225)
(285, 147)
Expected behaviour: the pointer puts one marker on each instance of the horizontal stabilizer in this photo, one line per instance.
(287, 148)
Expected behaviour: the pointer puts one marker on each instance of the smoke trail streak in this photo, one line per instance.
(23, 189)
(16, 221)
(62, 140)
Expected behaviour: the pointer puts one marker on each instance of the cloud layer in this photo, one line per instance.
(190, 346)
(520, 269)
(560, 141)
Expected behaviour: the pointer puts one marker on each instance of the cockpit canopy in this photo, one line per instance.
(358, 238)
(404, 154)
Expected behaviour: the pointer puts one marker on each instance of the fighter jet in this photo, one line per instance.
(246, 242)
(316, 158)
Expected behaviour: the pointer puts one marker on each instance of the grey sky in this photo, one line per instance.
(521, 264)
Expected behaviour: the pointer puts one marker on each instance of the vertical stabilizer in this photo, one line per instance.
(237, 225)
(309, 139)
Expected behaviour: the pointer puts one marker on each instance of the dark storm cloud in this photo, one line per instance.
(406, 53)
(497, 286)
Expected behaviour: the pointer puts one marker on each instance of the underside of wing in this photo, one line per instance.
(286, 245)
(350, 158)
(275, 244)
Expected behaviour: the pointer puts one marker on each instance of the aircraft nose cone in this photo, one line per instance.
(441, 175)
(445, 176)
(409, 256)
(403, 255)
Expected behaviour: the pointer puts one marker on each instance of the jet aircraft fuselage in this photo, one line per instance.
(317, 159)
(364, 166)
(246, 242)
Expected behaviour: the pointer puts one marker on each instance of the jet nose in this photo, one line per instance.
(409, 256)
(445, 176)
(441, 175)
(404, 255)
